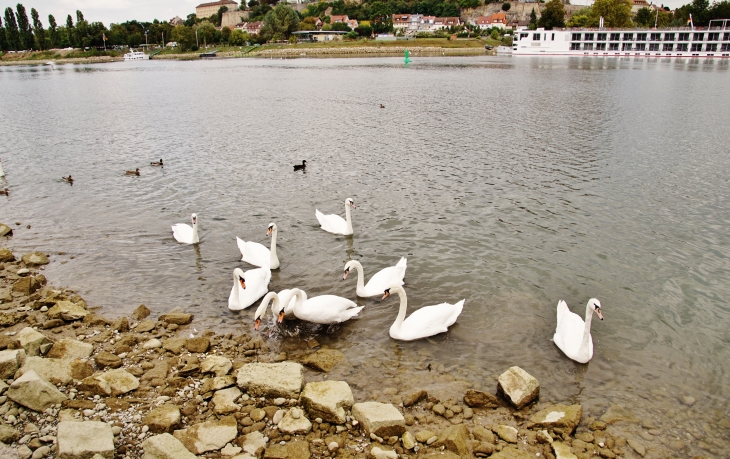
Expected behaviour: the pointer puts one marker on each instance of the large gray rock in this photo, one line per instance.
(163, 419)
(518, 386)
(253, 444)
(506, 433)
(511, 452)
(10, 361)
(271, 379)
(216, 364)
(68, 311)
(70, 349)
(479, 399)
(295, 422)
(562, 419)
(225, 400)
(113, 382)
(35, 259)
(8, 435)
(179, 318)
(165, 446)
(83, 440)
(32, 341)
(324, 359)
(210, 435)
(381, 419)
(562, 451)
(55, 371)
(327, 400)
(32, 391)
(454, 438)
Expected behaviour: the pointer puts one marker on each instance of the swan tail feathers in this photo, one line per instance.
(402, 263)
(562, 309)
(352, 312)
(458, 307)
(241, 246)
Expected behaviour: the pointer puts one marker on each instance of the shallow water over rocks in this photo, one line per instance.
(510, 182)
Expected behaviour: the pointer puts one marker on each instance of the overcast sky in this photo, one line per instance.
(116, 11)
(107, 11)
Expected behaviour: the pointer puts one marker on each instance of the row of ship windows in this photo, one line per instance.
(681, 47)
(712, 36)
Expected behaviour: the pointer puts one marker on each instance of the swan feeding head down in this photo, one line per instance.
(573, 334)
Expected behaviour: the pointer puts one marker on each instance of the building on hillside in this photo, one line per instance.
(443, 23)
(636, 5)
(335, 19)
(352, 23)
(176, 21)
(319, 35)
(206, 10)
(232, 18)
(251, 28)
(400, 21)
(427, 24)
(493, 20)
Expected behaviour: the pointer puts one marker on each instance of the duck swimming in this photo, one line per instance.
(157, 163)
(4, 192)
(301, 167)
(68, 179)
(135, 172)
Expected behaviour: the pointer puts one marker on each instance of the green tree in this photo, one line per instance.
(11, 30)
(184, 36)
(79, 16)
(582, 18)
(494, 34)
(27, 40)
(644, 17)
(506, 6)
(191, 20)
(699, 10)
(238, 37)
(533, 20)
(71, 31)
(553, 15)
(616, 13)
(53, 32)
(206, 32)
(40, 32)
(3, 38)
(226, 35)
(719, 10)
(279, 23)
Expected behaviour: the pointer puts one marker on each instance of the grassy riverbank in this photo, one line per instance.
(355, 48)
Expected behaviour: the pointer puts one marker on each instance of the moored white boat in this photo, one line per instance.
(133, 55)
(712, 41)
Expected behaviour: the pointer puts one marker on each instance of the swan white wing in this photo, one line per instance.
(327, 309)
(569, 336)
(254, 253)
(562, 309)
(428, 321)
(384, 279)
(182, 233)
(233, 303)
(331, 223)
(257, 285)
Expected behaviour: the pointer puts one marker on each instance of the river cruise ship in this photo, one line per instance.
(712, 41)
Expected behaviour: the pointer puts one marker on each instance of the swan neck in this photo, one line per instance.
(348, 219)
(360, 276)
(403, 307)
(273, 245)
(195, 233)
(300, 296)
(261, 311)
(587, 329)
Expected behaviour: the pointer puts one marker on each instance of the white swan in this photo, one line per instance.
(285, 296)
(258, 255)
(323, 309)
(248, 287)
(334, 223)
(427, 321)
(380, 280)
(573, 335)
(185, 233)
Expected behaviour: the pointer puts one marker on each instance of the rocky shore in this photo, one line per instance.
(368, 50)
(76, 385)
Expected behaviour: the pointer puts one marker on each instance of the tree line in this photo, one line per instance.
(617, 13)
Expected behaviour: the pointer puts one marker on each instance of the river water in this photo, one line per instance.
(511, 182)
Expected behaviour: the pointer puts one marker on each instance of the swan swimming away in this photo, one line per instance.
(334, 223)
(258, 255)
(380, 280)
(283, 297)
(248, 287)
(573, 335)
(425, 322)
(185, 233)
(323, 309)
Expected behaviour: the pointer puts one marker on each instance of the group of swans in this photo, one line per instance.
(572, 335)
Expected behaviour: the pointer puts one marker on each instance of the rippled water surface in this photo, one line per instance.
(511, 182)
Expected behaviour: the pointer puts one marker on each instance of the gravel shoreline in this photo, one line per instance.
(74, 384)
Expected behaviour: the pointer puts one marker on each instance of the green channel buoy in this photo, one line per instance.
(407, 59)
